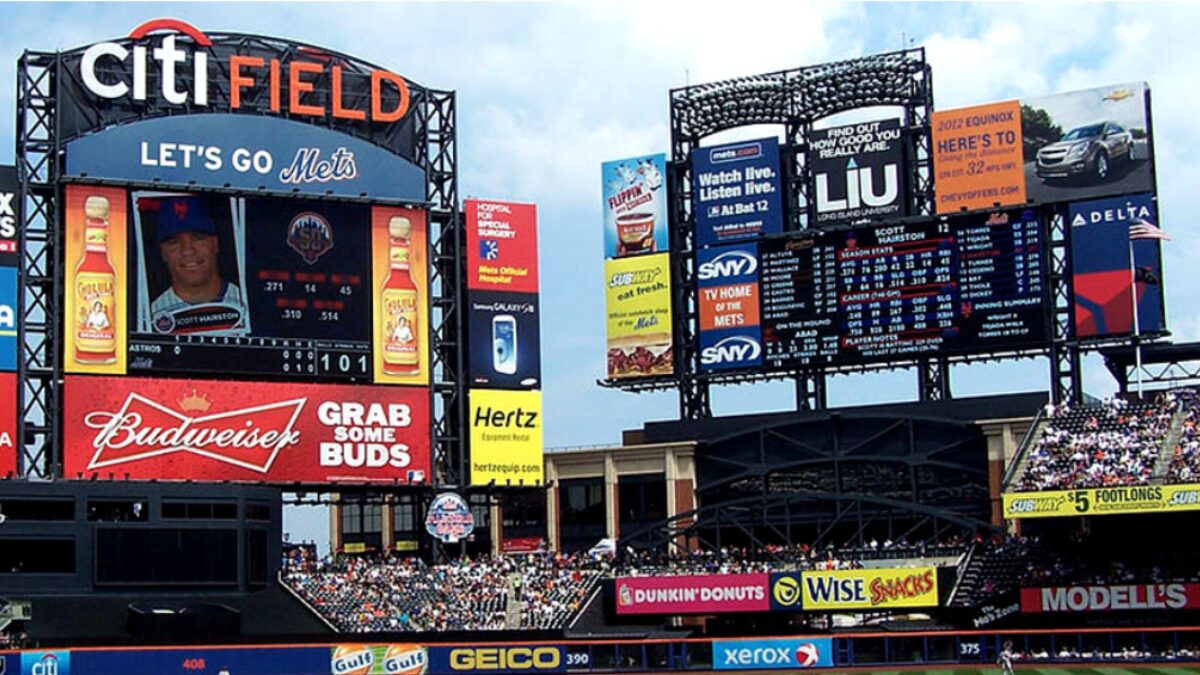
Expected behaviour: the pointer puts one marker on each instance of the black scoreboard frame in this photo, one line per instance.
(40, 158)
(797, 99)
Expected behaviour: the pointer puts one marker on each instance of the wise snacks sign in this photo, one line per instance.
(244, 431)
(693, 594)
(869, 589)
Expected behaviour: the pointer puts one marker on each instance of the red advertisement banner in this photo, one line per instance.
(1110, 598)
(8, 423)
(502, 252)
(245, 431)
(700, 594)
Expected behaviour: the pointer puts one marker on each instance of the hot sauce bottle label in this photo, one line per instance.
(95, 329)
(400, 353)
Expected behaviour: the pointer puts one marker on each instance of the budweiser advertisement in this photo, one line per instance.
(245, 431)
(1113, 598)
(696, 594)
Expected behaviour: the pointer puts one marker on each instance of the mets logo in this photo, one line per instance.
(310, 235)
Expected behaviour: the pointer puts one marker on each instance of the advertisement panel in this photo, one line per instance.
(449, 519)
(1063, 147)
(1102, 277)
(502, 250)
(504, 340)
(638, 301)
(693, 594)
(530, 658)
(244, 431)
(193, 660)
(870, 589)
(1114, 598)
(977, 157)
(785, 592)
(250, 153)
(95, 300)
(10, 216)
(730, 336)
(1102, 501)
(46, 663)
(506, 437)
(397, 659)
(635, 206)
(773, 654)
(9, 409)
(738, 191)
(400, 258)
(9, 316)
(858, 172)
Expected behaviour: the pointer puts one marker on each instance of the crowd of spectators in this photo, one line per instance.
(1185, 463)
(1116, 443)
(14, 639)
(394, 593)
(770, 558)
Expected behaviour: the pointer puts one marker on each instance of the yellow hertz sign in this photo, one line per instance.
(506, 437)
(1102, 501)
(870, 589)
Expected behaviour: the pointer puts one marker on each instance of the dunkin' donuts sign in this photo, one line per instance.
(245, 431)
(694, 594)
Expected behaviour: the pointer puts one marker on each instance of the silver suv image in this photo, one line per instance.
(1087, 151)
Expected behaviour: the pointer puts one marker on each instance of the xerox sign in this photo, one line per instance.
(789, 654)
(248, 431)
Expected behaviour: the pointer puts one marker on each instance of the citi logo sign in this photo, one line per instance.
(734, 349)
(860, 189)
(728, 264)
(114, 71)
(170, 58)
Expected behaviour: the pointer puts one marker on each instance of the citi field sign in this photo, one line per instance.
(169, 62)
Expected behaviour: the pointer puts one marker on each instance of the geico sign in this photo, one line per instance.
(169, 59)
(505, 658)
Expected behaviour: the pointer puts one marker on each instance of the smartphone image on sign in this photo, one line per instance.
(504, 344)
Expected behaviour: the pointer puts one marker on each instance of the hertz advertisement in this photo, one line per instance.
(531, 658)
(506, 437)
(1102, 501)
(869, 589)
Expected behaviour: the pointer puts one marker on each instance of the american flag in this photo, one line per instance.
(1144, 229)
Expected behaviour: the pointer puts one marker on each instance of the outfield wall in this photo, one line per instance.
(815, 652)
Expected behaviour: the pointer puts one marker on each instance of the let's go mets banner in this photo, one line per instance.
(693, 594)
(1102, 501)
(869, 589)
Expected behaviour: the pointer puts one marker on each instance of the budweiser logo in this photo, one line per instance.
(250, 438)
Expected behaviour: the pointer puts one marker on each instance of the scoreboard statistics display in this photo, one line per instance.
(296, 278)
(883, 293)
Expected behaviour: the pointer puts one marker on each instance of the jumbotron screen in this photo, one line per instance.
(236, 284)
(876, 294)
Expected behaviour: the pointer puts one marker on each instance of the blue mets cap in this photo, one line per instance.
(183, 214)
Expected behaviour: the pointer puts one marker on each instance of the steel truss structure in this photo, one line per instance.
(835, 481)
(42, 136)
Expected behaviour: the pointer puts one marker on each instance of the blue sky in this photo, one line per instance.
(547, 92)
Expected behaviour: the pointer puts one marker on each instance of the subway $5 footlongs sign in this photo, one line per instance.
(1102, 501)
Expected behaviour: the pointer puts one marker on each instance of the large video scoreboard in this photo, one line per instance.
(890, 292)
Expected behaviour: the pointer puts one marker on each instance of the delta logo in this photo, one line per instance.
(176, 55)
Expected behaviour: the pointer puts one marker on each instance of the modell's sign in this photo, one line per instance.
(1111, 598)
(244, 431)
(167, 62)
